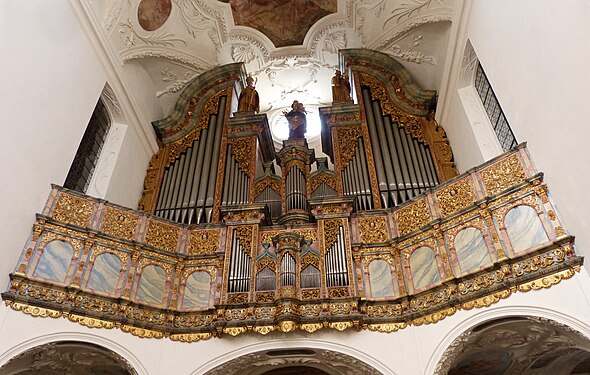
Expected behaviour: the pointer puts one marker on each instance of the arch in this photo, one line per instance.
(524, 228)
(105, 273)
(197, 291)
(471, 250)
(55, 261)
(424, 267)
(460, 330)
(19, 349)
(310, 277)
(152, 281)
(354, 357)
(380, 279)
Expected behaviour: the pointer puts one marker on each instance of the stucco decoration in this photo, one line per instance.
(517, 345)
(68, 357)
(329, 361)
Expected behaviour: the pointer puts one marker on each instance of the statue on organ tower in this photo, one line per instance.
(297, 121)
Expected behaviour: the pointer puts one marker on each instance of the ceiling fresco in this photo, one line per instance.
(284, 22)
(289, 48)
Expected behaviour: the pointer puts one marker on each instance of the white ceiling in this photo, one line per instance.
(200, 34)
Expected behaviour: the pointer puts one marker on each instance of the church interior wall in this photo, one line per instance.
(537, 70)
(52, 80)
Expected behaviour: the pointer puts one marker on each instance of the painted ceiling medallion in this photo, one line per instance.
(152, 14)
(284, 22)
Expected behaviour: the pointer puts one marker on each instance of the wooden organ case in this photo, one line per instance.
(388, 238)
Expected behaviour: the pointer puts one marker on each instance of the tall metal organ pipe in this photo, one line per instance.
(404, 165)
(187, 190)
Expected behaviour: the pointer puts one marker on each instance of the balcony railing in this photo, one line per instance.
(466, 243)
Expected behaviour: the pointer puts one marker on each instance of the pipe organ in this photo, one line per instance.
(388, 237)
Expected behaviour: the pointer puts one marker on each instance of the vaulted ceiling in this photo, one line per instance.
(289, 47)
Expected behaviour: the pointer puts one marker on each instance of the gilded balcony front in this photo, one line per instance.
(466, 243)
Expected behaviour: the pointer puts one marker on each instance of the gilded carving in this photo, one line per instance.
(502, 175)
(119, 223)
(338, 292)
(204, 242)
(455, 197)
(322, 178)
(237, 298)
(240, 148)
(348, 143)
(410, 123)
(162, 236)
(73, 210)
(307, 294)
(331, 231)
(266, 261)
(190, 337)
(180, 146)
(412, 216)
(265, 296)
(273, 183)
(386, 327)
(373, 229)
(244, 235)
(308, 259)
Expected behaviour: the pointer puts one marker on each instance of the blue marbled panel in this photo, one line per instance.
(524, 228)
(424, 267)
(151, 285)
(471, 249)
(105, 273)
(55, 261)
(197, 291)
(380, 279)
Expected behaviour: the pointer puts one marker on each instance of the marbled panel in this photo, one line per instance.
(151, 285)
(105, 273)
(55, 261)
(524, 228)
(471, 249)
(380, 279)
(197, 291)
(424, 268)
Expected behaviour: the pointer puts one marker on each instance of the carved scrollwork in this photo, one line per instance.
(373, 229)
(455, 197)
(73, 210)
(500, 176)
(412, 216)
(202, 242)
(348, 143)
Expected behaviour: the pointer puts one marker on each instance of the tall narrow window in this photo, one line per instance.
(492, 107)
(89, 150)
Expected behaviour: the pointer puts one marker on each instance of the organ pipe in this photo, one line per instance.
(404, 165)
(188, 185)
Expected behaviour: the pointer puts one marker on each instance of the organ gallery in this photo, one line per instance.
(237, 233)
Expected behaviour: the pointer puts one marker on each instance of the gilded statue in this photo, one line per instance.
(248, 100)
(297, 120)
(340, 88)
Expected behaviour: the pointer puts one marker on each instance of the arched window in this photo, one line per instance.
(88, 152)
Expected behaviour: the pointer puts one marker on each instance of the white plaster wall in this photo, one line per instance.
(51, 81)
(535, 55)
